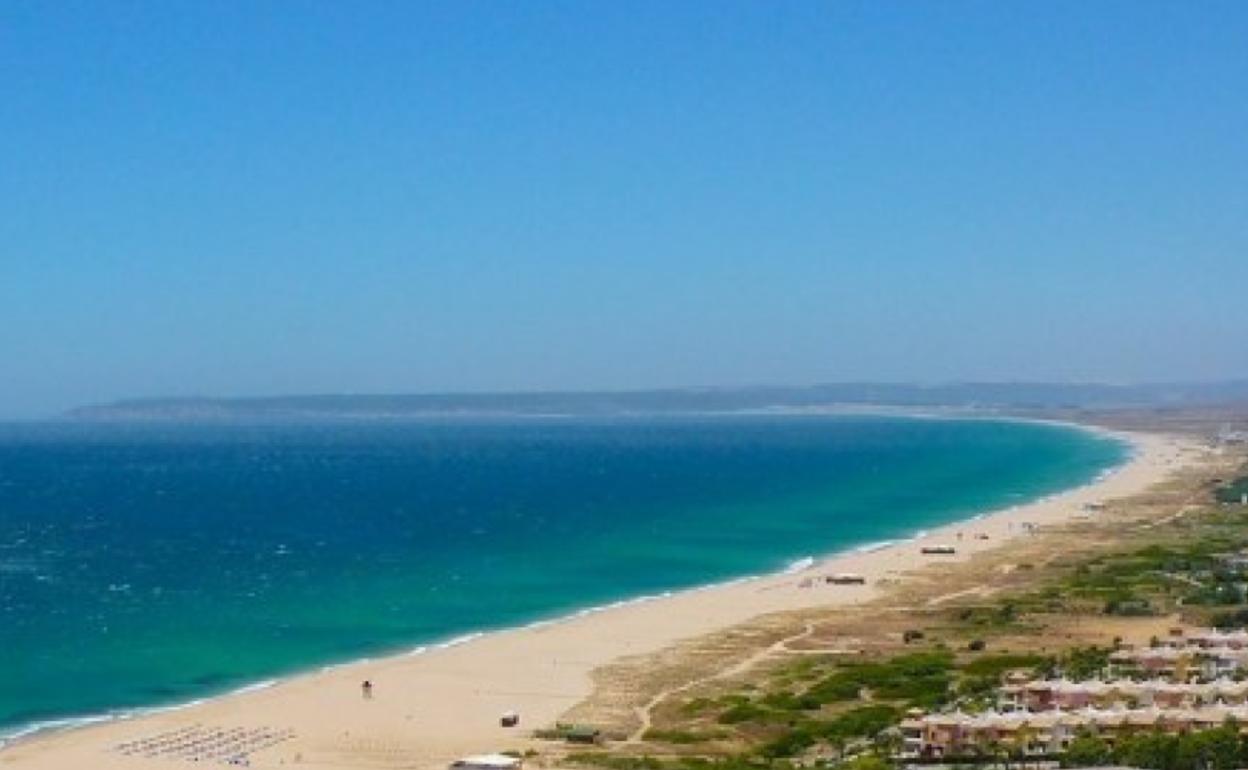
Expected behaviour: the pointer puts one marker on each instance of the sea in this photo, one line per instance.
(148, 565)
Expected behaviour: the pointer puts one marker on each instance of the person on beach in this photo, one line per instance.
(367, 689)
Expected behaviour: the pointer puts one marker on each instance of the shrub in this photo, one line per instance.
(862, 722)
(1087, 751)
(789, 744)
(787, 701)
(996, 665)
(741, 712)
(614, 762)
(921, 678)
(1084, 662)
(865, 762)
(679, 736)
(1228, 620)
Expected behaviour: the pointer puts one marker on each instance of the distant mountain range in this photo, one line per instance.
(967, 395)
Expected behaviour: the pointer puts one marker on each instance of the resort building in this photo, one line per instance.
(934, 736)
(1182, 684)
(1064, 695)
(1180, 663)
(1219, 640)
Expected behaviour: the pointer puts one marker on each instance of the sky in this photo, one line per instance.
(253, 198)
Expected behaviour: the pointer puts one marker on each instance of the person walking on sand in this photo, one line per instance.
(367, 690)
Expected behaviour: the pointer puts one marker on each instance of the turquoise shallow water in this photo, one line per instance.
(143, 564)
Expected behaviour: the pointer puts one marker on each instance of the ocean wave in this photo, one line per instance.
(263, 684)
(878, 545)
(116, 715)
(799, 565)
(458, 640)
(55, 725)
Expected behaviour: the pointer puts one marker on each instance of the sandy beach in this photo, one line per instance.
(430, 707)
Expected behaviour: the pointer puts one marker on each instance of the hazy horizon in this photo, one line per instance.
(985, 397)
(236, 199)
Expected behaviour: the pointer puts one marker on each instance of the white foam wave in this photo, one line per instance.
(263, 684)
(799, 565)
(52, 725)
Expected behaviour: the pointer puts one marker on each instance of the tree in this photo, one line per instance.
(1087, 750)
(1209, 750)
(1155, 751)
(1020, 741)
(998, 752)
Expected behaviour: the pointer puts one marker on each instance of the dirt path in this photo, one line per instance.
(981, 591)
(782, 646)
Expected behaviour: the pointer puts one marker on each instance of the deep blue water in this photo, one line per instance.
(142, 565)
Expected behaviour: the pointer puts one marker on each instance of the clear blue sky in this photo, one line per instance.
(232, 198)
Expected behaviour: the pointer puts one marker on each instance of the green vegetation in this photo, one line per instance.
(697, 706)
(787, 701)
(1223, 591)
(1088, 751)
(809, 708)
(862, 722)
(617, 762)
(919, 679)
(1229, 620)
(1001, 616)
(825, 706)
(1080, 663)
(680, 737)
(743, 712)
(866, 761)
(996, 666)
(1159, 579)
(981, 676)
(1218, 749)
(787, 721)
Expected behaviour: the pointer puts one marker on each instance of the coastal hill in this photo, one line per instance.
(968, 395)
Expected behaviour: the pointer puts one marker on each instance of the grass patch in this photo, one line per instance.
(919, 679)
(683, 737)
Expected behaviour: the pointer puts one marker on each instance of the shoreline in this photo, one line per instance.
(56, 725)
(37, 742)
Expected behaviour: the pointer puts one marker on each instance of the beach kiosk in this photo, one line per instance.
(509, 719)
(582, 734)
(486, 762)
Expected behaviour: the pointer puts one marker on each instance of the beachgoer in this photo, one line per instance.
(367, 689)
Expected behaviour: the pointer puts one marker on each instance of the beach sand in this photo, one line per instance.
(432, 707)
